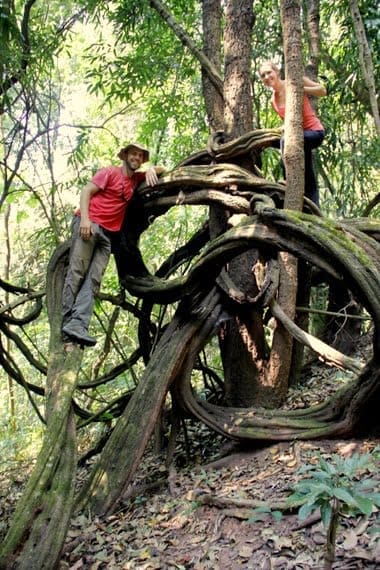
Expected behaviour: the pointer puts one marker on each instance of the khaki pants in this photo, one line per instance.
(87, 263)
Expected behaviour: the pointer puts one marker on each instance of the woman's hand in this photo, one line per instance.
(313, 88)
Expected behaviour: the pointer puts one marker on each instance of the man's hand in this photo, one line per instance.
(151, 177)
(85, 224)
(85, 229)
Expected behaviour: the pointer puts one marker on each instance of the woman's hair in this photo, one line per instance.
(271, 64)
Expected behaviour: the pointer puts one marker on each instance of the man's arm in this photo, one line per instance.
(152, 174)
(85, 224)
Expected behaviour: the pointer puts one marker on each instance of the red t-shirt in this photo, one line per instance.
(108, 206)
(310, 119)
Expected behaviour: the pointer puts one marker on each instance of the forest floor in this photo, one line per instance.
(201, 517)
(199, 513)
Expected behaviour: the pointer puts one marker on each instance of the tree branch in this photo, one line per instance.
(325, 352)
(365, 62)
(207, 66)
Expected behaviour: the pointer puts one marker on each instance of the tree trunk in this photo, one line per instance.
(314, 39)
(212, 45)
(351, 409)
(242, 341)
(38, 529)
(282, 345)
(237, 67)
(311, 25)
(293, 129)
(123, 451)
(366, 62)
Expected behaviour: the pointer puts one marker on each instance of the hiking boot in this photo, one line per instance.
(78, 334)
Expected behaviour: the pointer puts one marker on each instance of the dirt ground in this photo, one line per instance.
(202, 518)
(200, 512)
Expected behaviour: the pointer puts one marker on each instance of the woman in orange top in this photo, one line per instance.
(314, 132)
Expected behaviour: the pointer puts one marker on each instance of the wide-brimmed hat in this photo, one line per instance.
(125, 149)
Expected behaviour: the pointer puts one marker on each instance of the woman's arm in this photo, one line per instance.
(313, 88)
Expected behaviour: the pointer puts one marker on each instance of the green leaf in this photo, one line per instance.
(328, 467)
(364, 504)
(11, 197)
(277, 515)
(343, 495)
(295, 498)
(32, 201)
(375, 498)
(367, 484)
(306, 510)
(326, 514)
(319, 488)
(322, 476)
(306, 469)
(21, 215)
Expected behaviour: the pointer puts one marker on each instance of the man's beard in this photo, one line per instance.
(132, 167)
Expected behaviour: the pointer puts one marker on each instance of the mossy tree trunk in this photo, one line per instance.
(39, 526)
(123, 451)
(335, 249)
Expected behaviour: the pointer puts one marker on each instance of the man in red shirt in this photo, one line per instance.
(103, 204)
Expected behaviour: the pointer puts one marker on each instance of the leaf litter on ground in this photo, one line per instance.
(197, 514)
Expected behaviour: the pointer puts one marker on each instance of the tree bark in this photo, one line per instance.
(242, 338)
(293, 149)
(123, 451)
(38, 529)
(212, 45)
(237, 67)
(282, 345)
(313, 36)
(350, 408)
